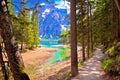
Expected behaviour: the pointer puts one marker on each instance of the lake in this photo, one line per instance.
(61, 53)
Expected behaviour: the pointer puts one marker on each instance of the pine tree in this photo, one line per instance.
(26, 27)
(73, 31)
(35, 28)
(83, 30)
(11, 46)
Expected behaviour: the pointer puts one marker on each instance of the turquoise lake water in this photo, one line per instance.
(61, 53)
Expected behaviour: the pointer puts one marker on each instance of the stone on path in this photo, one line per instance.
(91, 69)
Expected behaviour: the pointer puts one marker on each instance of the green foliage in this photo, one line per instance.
(65, 36)
(10, 8)
(114, 50)
(30, 37)
(112, 64)
(111, 50)
(25, 28)
(35, 29)
(115, 66)
(104, 22)
(106, 64)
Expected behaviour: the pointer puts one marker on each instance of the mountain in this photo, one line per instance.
(52, 21)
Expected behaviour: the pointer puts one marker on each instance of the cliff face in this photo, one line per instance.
(52, 21)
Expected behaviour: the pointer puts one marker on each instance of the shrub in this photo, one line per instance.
(112, 65)
(114, 50)
(115, 67)
(106, 64)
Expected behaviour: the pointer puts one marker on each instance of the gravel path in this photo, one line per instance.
(91, 70)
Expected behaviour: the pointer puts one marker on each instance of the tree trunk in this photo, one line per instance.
(117, 2)
(83, 30)
(73, 29)
(21, 46)
(3, 65)
(119, 26)
(116, 25)
(11, 47)
(88, 35)
(91, 35)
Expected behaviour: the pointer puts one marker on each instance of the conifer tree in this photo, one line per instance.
(73, 31)
(11, 46)
(35, 28)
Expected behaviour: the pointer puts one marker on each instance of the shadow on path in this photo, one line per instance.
(91, 70)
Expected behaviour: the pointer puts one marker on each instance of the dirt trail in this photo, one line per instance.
(91, 70)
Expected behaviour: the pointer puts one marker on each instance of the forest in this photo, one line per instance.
(59, 39)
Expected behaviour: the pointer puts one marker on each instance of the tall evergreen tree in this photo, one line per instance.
(35, 28)
(83, 30)
(73, 31)
(91, 27)
(11, 46)
(26, 27)
(88, 30)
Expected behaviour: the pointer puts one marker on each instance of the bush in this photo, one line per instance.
(114, 50)
(112, 65)
(106, 64)
(115, 67)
